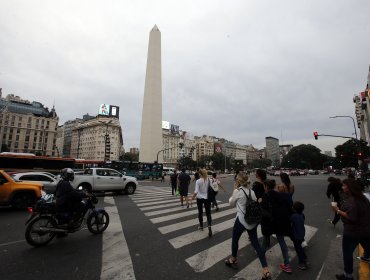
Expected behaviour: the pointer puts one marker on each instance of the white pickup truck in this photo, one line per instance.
(105, 179)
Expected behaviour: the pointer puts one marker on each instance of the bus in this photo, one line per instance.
(82, 164)
(22, 162)
(140, 170)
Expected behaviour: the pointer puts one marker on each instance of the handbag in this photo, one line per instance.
(210, 192)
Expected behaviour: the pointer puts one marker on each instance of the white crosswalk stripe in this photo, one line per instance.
(161, 207)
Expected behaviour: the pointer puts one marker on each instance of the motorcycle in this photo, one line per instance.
(45, 222)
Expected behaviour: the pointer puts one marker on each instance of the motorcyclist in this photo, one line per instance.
(67, 198)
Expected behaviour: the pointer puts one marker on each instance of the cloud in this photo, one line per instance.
(241, 70)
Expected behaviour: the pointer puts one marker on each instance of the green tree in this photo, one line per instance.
(129, 157)
(218, 161)
(304, 157)
(349, 152)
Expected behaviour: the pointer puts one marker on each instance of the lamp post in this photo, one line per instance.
(354, 124)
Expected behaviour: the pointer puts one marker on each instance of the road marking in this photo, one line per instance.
(320, 272)
(156, 202)
(116, 259)
(209, 257)
(182, 214)
(193, 222)
(12, 242)
(159, 206)
(273, 256)
(197, 235)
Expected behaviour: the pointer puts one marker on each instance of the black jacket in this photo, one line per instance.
(67, 198)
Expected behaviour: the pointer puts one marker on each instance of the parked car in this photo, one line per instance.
(105, 179)
(313, 172)
(338, 172)
(48, 180)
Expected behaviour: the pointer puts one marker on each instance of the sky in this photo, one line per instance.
(240, 70)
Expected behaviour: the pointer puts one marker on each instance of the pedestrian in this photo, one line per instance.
(286, 185)
(162, 177)
(281, 208)
(298, 232)
(259, 186)
(266, 207)
(173, 181)
(183, 181)
(201, 193)
(196, 175)
(355, 214)
(333, 192)
(239, 200)
(236, 175)
(366, 256)
(216, 184)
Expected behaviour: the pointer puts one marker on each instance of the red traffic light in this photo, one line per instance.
(359, 154)
(316, 135)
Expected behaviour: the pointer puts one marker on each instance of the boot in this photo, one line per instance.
(209, 232)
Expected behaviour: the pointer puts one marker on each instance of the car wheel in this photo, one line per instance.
(23, 200)
(130, 188)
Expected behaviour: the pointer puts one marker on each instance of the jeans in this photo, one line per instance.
(284, 248)
(349, 244)
(174, 188)
(300, 251)
(207, 207)
(238, 229)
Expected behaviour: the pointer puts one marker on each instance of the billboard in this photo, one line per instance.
(165, 125)
(174, 129)
(218, 148)
(109, 110)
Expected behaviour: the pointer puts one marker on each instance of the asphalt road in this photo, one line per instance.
(151, 237)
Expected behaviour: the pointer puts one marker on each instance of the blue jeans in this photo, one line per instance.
(284, 248)
(238, 229)
(349, 244)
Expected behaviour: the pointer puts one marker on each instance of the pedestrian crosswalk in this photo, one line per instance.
(180, 227)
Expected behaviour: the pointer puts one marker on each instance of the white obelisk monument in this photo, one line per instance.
(151, 122)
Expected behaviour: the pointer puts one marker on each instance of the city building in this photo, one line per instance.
(362, 111)
(273, 150)
(99, 138)
(27, 127)
(151, 141)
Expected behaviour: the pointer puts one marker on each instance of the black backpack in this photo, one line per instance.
(253, 212)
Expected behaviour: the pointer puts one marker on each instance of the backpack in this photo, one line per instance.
(253, 212)
(211, 195)
(214, 185)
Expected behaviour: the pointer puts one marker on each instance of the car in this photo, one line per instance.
(338, 172)
(48, 180)
(313, 172)
(277, 173)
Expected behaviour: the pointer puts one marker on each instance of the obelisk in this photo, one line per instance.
(151, 122)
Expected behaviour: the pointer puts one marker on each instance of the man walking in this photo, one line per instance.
(173, 178)
(183, 185)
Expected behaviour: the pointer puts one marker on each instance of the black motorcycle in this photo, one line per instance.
(46, 222)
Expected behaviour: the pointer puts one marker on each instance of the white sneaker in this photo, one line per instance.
(304, 244)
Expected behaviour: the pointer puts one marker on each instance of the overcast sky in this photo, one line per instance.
(241, 70)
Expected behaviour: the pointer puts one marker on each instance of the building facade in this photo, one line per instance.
(273, 150)
(27, 127)
(99, 138)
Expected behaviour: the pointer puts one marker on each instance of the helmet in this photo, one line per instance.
(67, 174)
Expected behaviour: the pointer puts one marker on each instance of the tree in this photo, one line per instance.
(304, 157)
(129, 157)
(218, 161)
(350, 152)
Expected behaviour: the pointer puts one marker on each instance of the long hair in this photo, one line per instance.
(285, 179)
(203, 174)
(354, 189)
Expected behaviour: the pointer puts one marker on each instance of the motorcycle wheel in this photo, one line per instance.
(97, 222)
(33, 235)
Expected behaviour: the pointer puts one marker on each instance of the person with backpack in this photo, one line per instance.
(244, 199)
(333, 192)
(259, 186)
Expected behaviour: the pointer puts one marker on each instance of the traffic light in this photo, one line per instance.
(359, 155)
(316, 135)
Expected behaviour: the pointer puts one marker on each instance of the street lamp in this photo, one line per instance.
(354, 124)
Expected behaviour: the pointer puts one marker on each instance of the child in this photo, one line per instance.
(298, 233)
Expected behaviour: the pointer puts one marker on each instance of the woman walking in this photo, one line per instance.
(239, 199)
(355, 214)
(286, 185)
(333, 192)
(216, 184)
(201, 193)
